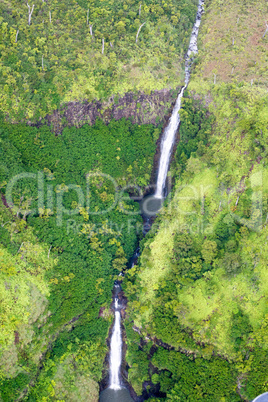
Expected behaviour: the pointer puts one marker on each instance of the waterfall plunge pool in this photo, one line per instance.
(118, 395)
(150, 205)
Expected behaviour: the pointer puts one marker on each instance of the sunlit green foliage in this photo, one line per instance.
(57, 60)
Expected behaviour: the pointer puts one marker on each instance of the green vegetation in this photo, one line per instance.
(196, 321)
(55, 62)
(201, 282)
(183, 378)
(62, 282)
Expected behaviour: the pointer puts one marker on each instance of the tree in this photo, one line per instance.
(209, 251)
(266, 30)
(30, 12)
(139, 32)
(231, 262)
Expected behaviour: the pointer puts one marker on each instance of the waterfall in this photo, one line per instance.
(166, 146)
(116, 347)
(171, 129)
(116, 391)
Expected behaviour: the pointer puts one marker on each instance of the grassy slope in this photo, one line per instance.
(215, 291)
(232, 43)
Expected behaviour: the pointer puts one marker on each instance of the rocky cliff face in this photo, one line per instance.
(141, 108)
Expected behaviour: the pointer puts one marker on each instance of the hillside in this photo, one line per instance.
(200, 289)
(60, 57)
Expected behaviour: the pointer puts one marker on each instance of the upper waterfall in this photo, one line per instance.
(174, 121)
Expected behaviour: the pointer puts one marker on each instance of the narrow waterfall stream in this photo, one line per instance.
(116, 391)
(167, 145)
(172, 127)
(116, 347)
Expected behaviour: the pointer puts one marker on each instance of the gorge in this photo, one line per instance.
(167, 143)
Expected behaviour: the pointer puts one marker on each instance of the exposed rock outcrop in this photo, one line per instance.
(141, 108)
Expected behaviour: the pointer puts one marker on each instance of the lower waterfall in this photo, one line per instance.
(116, 349)
(116, 392)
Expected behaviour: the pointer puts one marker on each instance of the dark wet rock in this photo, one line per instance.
(141, 108)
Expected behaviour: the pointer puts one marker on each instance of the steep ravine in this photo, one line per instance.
(117, 390)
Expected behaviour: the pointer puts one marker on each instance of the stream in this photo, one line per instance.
(117, 391)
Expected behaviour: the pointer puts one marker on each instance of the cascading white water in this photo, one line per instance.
(171, 129)
(166, 146)
(116, 349)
